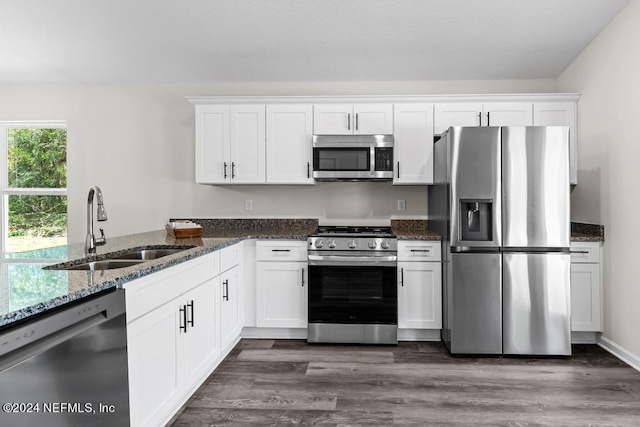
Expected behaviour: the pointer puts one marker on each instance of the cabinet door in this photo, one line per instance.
(333, 119)
(456, 114)
(413, 143)
(230, 324)
(154, 352)
(559, 114)
(247, 124)
(281, 294)
(585, 298)
(508, 114)
(212, 144)
(419, 295)
(201, 342)
(373, 119)
(289, 134)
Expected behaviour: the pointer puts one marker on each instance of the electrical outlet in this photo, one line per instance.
(402, 205)
(248, 205)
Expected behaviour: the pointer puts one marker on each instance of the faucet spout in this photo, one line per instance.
(90, 241)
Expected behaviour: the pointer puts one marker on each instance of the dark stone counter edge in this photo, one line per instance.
(140, 270)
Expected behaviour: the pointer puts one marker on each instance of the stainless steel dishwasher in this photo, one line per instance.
(68, 368)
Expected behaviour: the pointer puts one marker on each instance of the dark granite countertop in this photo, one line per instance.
(28, 290)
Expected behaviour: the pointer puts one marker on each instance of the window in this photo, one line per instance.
(33, 181)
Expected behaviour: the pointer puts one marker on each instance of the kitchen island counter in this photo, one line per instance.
(27, 290)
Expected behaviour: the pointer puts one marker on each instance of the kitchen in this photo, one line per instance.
(150, 114)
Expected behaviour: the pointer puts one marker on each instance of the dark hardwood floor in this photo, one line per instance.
(288, 382)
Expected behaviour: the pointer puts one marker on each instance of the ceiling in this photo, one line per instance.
(196, 41)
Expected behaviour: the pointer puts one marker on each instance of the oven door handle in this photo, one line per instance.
(390, 261)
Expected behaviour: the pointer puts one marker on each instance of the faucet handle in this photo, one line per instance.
(101, 240)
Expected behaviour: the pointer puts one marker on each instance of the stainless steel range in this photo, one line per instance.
(353, 285)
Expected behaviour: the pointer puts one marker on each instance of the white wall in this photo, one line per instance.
(137, 143)
(607, 73)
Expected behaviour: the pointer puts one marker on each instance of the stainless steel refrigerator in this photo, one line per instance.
(501, 203)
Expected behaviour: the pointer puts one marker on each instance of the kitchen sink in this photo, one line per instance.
(105, 264)
(126, 258)
(148, 254)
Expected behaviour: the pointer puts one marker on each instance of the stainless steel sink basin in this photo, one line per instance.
(120, 260)
(147, 254)
(105, 264)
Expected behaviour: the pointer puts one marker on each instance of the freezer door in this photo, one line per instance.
(476, 319)
(536, 303)
(475, 187)
(535, 187)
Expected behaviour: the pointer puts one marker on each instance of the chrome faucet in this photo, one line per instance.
(90, 242)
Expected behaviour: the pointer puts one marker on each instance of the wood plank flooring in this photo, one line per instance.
(288, 382)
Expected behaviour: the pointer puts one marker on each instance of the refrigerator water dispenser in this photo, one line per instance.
(476, 220)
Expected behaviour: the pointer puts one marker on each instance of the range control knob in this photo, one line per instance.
(352, 244)
(319, 243)
(372, 244)
(385, 244)
(332, 244)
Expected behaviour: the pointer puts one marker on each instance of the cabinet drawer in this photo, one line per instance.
(281, 250)
(585, 252)
(419, 250)
(230, 256)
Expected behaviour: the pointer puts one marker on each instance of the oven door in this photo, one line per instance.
(353, 289)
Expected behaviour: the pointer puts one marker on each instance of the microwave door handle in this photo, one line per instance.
(372, 160)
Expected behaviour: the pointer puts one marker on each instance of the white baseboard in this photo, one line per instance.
(620, 352)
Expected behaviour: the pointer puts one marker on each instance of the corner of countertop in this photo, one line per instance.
(413, 229)
(584, 232)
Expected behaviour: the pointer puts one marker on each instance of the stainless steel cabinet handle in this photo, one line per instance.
(233, 170)
(348, 121)
(402, 277)
(356, 121)
(308, 173)
(280, 250)
(183, 310)
(303, 277)
(580, 252)
(488, 119)
(191, 306)
(225, 294)
(421, 250)
(398, 169)
(479, 119)
(225, 170)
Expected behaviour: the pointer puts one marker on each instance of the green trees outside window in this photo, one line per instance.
(36, 172)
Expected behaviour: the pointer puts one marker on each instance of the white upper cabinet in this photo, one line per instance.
(482, 114)
(508, 114)
(413, 143)
(247, 144)
(289, 135)
(352, 119)
(456, 114)
(230, 144)
(212, 143)
(560, 114)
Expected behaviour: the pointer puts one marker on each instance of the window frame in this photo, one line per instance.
(5, 190)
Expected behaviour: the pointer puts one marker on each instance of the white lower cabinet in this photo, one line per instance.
(586, 287)
(181, 322)
(171, 348)
(419, 285)
(281, 284)
(230, 307)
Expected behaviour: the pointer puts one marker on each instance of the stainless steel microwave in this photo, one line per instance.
(353, 157)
